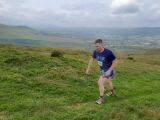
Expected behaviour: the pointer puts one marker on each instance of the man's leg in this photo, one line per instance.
(101, 90)
(109, 86)
(101, 86)
(109, 83)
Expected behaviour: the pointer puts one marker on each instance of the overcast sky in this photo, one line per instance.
(81, 13)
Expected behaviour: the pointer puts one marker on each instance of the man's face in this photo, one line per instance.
(98, 47)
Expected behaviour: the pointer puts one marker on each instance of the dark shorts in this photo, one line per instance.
(112, 74)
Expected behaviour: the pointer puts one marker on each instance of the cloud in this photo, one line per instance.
(1, 5)
(112, 13)
(155, 8)
(85, 6)
(124, 7)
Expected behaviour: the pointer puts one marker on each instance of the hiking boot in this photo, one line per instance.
(111, 92)
(100, 100)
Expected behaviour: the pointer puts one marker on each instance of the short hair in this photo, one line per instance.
(98, 41)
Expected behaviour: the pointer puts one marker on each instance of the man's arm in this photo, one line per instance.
(89, 65)
(114, 63)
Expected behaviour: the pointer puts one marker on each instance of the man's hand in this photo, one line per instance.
(87, 71)
(89, 65)
(114, 63)
(106, 74)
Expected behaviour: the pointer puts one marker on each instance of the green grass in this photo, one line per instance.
(35, 86)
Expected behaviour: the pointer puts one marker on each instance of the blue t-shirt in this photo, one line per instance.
(104, 58)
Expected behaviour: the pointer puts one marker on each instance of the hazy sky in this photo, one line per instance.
(94, 13)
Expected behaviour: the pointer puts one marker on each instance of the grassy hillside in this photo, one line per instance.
(35, 86)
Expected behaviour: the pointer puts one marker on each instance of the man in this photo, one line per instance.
(107, 62)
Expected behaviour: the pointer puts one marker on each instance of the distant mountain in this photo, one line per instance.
(24, 32)
(28, 36)
(120, 39)
(7, 31)
(116, 38)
